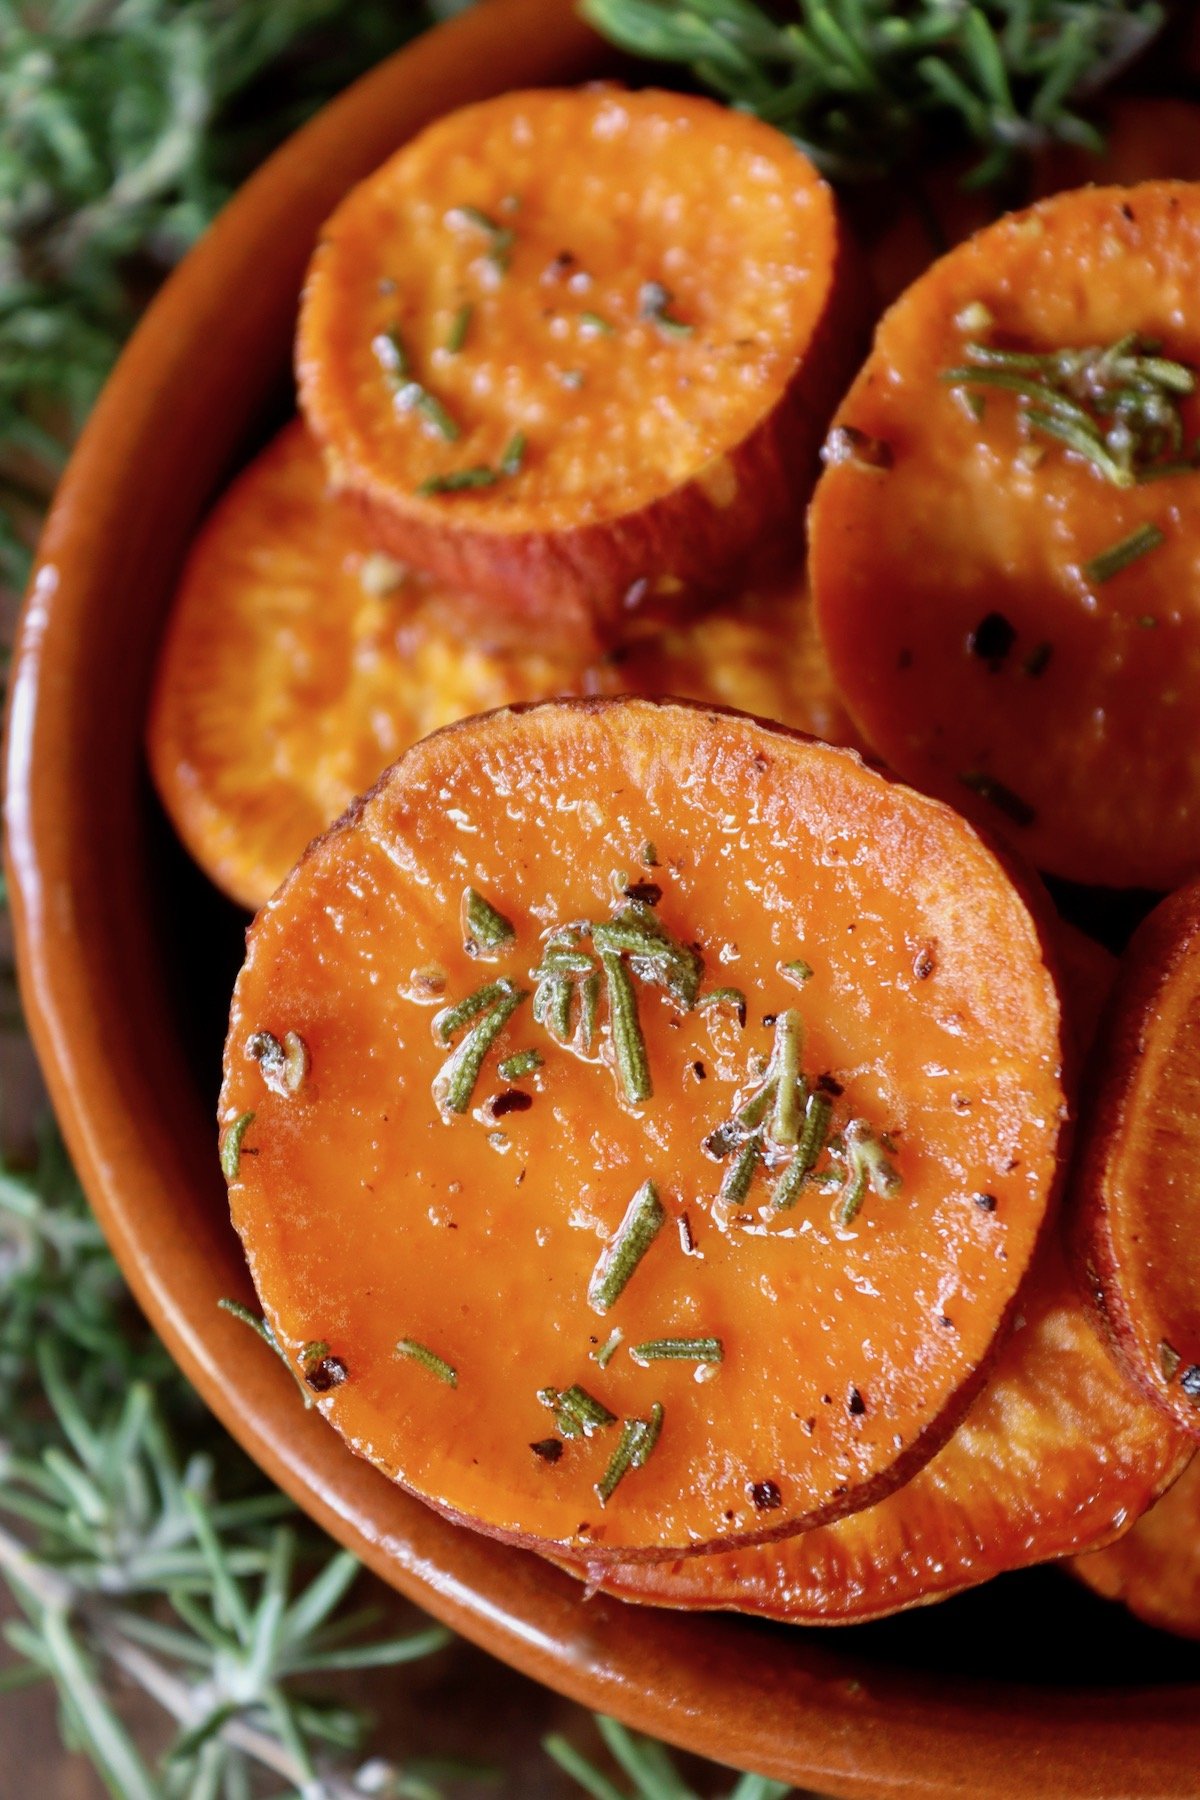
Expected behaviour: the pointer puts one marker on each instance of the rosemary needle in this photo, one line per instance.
(428, 1359)
(644, 1219)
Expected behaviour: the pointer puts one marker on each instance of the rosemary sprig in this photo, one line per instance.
(576, 1412)
(863, 84)
(1117, 406)
(644, 1219)
(629, 1046)
(648, 1766)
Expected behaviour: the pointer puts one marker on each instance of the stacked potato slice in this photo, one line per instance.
(647, 1125)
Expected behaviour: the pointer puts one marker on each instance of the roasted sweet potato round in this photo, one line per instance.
(1155, 1568)
(1136, 1188)
(577, 350)
(1058, 1453)
(608, 1045)
(297, 665)
(1003, 545)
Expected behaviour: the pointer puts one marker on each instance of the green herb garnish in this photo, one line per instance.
(459, 481)
(456, 337)
(681, 1349)
(797, 971)
(448, 1023)
(576, 1412)
(523, 1063)
(1118, 556)
(231, 1145)
(864, 86)
(735, 1184)
(428, 1359)
(724, 996)
(513, 457)
(629, 1045)
(638, 1438)
(609, 1347)
(818, 1111)
(867, 1166)
(653, 302)
(644, 1219)
(595, 325)
(409, 394)
(487, 929)
(1118, 406)
(790, 1089)
(454, 1084)
(500, 238)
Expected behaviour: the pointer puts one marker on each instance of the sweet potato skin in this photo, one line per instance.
(1058, 1453)
(1082, 728)
(1154, 1569)
(1135, 1191)
(661, 521)
(296, 666)
(669, 756)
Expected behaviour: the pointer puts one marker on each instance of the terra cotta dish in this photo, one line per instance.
(1028, 1687)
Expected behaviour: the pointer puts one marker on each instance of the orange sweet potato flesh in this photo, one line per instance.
(1136, 1188)
(1155, 1568)
(662, 303)
(1078, 741)
(368, 1219)
(1058, 1453)
(297, 665)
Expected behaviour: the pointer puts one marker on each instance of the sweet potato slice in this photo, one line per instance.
(1155, 1568)
(449, 1239)
(296, 666)
(1136, 1189)
(577, 350)
(1011, 618)
(1058, 1453)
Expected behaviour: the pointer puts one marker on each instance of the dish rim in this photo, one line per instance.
(91, 973)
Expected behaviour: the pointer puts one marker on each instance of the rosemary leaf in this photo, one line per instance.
(523, 1063)
(428, 1359)
(1118, 556)
(231, 1145)
(644, 1219)
(693, 1349)
(629, 1046)
(454, 1083)
(637, 1441)
(487, 929)
(460, 325)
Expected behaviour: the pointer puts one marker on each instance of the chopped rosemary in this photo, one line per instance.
(653, 301)
(867, 1166)
(456, 337)
(735, 1184)
(655, 955)
(262, 1329)
(455, 1081)
(552, 1005)
(797, 971)
(644, 1219)
(500, 238)
(1118, 556)
(998, 795)
(231, 1145)
(1118, 406)
(513, 456)
(682, 1349)
(595, 325)
(608, 1349)
(314, 1350)
(790, 1090)
(648, 855)
(576, 1412)
(524, 1062)
(487, 929)
(409, 394)
(724, 996)
(638, 1438)
(451, 1020)
(629, 1045)
(428, 1359)
(589, 1006)
(458, 480)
